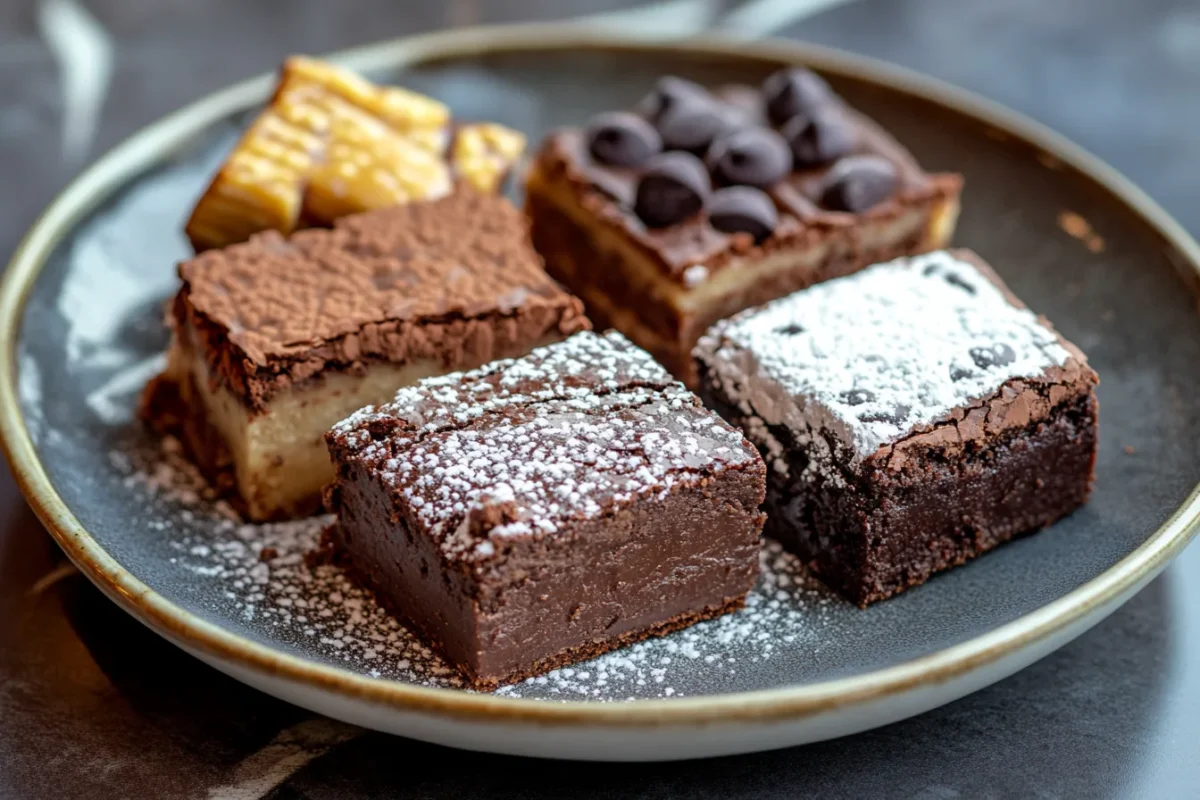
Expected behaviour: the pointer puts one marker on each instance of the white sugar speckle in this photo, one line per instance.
(695, 275)
(898, 345)
(514, 448)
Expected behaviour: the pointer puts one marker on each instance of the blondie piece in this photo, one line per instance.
(912, 416)
(700, 204)
(544, 510)
(330, 144)
(276, 339)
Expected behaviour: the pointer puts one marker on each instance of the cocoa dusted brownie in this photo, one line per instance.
(276, 339)
(547, 509)
(913, 416)
(700, 204)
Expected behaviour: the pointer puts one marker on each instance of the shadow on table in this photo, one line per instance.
(169, 691)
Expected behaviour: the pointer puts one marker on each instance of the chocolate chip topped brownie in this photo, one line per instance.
(698, 204)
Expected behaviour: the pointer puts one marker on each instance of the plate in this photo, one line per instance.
(81, 309)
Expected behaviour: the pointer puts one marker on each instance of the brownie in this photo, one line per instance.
(547, 509)
(276, 339)
(913, 416)
(662, 235)
(452, 280)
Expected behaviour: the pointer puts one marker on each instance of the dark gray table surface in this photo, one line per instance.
(92, 705)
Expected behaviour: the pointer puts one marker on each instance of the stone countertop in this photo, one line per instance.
(93, 705)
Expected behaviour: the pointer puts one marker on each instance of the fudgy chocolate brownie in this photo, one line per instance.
(544, 510)
(700, 204)
(276, 339)
(912, 416)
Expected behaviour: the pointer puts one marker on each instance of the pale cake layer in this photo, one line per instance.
(624, 288)
(276, 460)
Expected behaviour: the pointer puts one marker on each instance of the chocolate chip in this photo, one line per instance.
(791, 329)
(743, 209)
(820, 138)
(792, 91)
(750, 157)
(958, 373)
(856, 183)
(856, 397)
(692, 125)
(958, 283)
(673, 188)
(667, 94)
(996, 355)
(622, 139)
(895, 416)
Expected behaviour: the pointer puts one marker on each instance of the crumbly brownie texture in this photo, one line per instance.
(550, 508)
(665, 284)
(912, 416)
(453, 280)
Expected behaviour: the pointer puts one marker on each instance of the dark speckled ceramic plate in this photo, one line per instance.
(82, 306)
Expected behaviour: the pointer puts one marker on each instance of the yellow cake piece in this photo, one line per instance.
(331, 143)
(369, 165)
(483, 154)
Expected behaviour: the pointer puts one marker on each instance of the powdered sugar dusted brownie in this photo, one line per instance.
(547, 509)
(912, 416)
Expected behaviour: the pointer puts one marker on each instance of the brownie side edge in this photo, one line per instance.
(645, 569)
(873, 532)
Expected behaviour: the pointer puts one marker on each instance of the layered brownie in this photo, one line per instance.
(544, 510)
(700, 204)
(276, 339)
(331, 143)
(912, 416)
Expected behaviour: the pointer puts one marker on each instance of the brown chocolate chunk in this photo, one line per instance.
(819, 138)
(622, 139)
(996, 355)
(692, 125)
(743, 209)
(793, 91)
(750, 157)
(856, 183)
(667, 95)
(673, 188)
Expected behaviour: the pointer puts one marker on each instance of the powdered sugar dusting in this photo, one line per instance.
(893, 347)
(318, 611)
(564, 434)
(580, 366)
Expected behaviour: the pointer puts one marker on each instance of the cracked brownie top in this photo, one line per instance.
(933, 349)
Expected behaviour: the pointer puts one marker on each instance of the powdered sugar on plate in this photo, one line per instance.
(314, 608)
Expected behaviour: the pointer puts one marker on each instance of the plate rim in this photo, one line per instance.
(148, 147)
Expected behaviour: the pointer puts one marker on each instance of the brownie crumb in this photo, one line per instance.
(268, 554)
